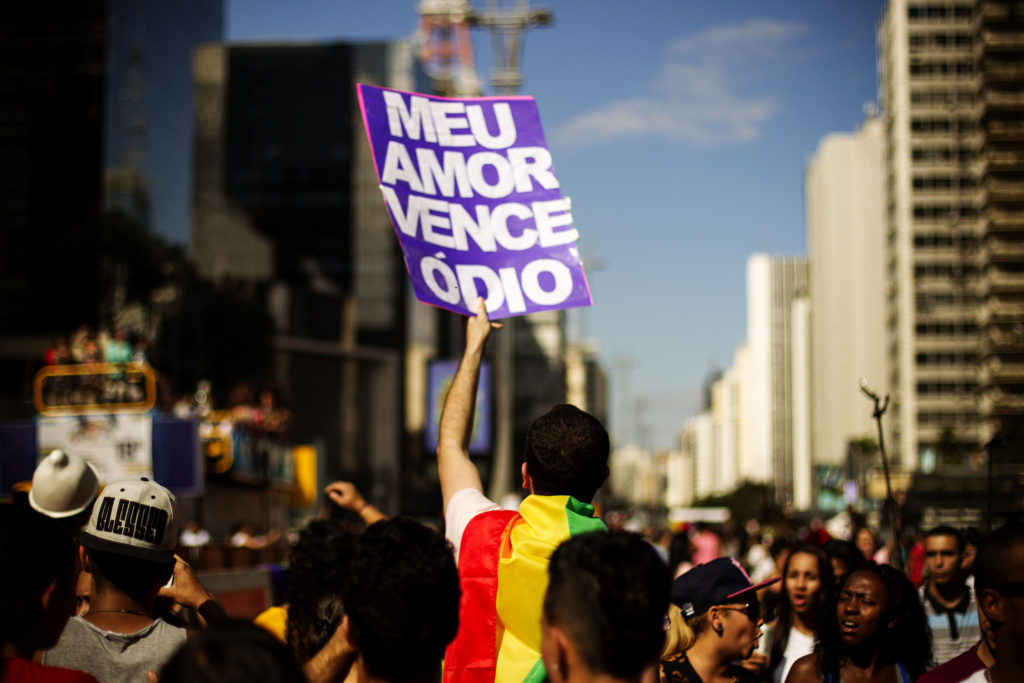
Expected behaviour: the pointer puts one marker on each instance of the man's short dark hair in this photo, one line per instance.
(133, 576)
(999, 557)
(402, 599)
(319, 564)
(948, 531)
(567, 453)
(609, 592)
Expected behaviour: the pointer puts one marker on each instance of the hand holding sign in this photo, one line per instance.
(477, 208)
(479, 326)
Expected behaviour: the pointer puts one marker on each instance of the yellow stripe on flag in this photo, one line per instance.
(544, 522)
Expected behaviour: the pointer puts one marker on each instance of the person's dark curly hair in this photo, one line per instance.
(908, 640)
(402, 599)
(319, 564)
(567, 453)
(609, 592)
(784, 610)
(232, 652)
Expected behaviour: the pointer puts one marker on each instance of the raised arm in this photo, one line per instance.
(454, 467)
(345, 494)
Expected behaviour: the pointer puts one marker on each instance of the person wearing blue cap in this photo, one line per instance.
(714, 620)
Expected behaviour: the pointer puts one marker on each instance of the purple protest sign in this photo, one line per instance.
(474, 200)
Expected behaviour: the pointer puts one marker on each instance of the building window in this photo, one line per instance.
(929, 212)
(925, 240)
(933, 388)
(937, 11)
(942, 124)
(941, 359)
(942, 154)
(944, 182)
(945, 329)
(940, 68)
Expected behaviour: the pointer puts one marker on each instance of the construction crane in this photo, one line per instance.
(444, 34)
(445, 49)
(507, 25)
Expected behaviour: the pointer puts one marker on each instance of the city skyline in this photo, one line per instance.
(694, 122)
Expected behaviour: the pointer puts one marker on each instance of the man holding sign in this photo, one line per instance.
(472, 194)
(503, 555)
(471, 191)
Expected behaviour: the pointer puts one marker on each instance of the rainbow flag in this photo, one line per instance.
(503, 569)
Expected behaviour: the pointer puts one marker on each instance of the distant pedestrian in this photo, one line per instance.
(714, 621)
(948, 600)
(874, 629)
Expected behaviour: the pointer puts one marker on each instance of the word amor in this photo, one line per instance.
(456, 175)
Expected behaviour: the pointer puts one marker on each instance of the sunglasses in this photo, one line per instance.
(751, 609)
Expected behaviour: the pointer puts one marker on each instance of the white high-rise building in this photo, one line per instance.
(679, 479)
(800, 369)
(725, 416)
(929, 111)
(697, 446)
(846, 251)
(774, 283)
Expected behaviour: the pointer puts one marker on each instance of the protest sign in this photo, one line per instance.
(471, 190)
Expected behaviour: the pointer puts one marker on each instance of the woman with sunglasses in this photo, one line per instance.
(714, 621)
(806, 576)
(877, 631)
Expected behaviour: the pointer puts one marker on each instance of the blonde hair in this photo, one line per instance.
(682, 633)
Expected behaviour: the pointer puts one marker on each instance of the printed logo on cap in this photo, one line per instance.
(138, 518)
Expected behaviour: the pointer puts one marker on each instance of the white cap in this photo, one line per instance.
(63, 485)
(135, 517)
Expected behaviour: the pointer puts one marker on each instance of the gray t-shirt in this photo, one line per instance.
(115, 657)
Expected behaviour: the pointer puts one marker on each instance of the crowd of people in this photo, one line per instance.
(87, 345)
(545, 592)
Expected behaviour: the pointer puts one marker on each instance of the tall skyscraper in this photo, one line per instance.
(147, 135)
(52, 80)
(951, 90)
(927, 98)
(846, 282)
(287, 202)
(97, 111)
(774, 285)
(755, 427)
(999, 62)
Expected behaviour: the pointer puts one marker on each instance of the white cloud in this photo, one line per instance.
(696, 97)
(754, 38)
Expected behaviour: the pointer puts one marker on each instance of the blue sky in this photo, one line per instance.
(680, 130)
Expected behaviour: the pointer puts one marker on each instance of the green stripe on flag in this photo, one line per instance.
(580, 517)
(538, 674)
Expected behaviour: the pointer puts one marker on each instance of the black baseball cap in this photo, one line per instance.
(717, 582)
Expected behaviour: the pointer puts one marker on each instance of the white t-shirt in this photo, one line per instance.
(193, 539)
(797, 646)
(463, 507)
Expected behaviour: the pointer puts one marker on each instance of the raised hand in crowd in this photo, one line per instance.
(345, 495)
